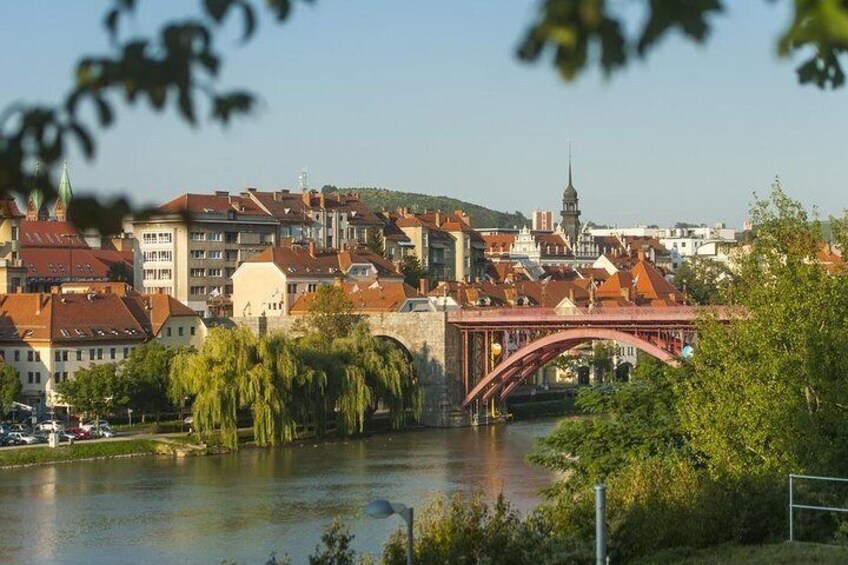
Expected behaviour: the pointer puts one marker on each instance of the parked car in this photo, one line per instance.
(50, 426)
(23, 438)
(106, 431)
(23, 428)
(93, 425)
(79, 433)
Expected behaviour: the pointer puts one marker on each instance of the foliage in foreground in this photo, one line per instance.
(698, 456)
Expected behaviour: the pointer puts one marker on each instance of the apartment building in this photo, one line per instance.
(330, 219)
(48, 337)
(192, 245)
(445, 243)
(12, 271)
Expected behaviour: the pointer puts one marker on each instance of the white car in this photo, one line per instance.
(50, 426)
(92, 426)
(21, 437)
(106, 431)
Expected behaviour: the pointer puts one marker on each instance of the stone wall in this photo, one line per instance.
(434, 345)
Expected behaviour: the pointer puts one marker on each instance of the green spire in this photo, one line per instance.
(66, 193)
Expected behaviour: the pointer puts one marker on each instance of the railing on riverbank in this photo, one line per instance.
(795, 506)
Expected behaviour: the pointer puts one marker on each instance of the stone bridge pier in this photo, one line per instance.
(433, 345)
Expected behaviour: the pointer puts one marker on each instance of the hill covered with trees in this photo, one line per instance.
(481, 217)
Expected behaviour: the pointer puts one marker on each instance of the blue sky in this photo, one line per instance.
(428, 97)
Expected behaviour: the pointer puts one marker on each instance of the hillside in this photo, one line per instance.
(481, 217)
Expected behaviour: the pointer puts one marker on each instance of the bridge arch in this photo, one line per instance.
(397, 341)
(513, 370)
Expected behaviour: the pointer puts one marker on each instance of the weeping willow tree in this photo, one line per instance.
(375, 371)
(217, 377)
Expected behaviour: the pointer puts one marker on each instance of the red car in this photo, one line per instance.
(78, 433)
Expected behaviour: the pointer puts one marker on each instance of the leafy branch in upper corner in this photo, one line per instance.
(175, 67)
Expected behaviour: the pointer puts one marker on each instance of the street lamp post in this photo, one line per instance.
(383, 509)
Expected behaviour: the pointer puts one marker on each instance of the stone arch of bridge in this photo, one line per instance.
(397, 341)
(515, 369)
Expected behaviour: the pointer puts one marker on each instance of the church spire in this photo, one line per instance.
(36, 209)
(571, 184)
(66, 193)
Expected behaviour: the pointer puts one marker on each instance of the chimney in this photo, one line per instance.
(423, 285)
(312, 248)
(438, 218)
(251, 190)
(222, 193)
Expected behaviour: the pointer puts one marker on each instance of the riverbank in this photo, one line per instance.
(11, 458)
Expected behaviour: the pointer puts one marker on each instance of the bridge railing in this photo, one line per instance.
(600, 314)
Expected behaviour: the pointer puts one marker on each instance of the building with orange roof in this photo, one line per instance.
(48, 337)
(190, 247)
(444, 242)
(270, 283)
(374, 297)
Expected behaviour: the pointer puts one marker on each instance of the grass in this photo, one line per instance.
(36, 455)
(774, 554)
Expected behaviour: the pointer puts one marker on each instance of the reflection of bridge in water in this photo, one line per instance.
(501, 348)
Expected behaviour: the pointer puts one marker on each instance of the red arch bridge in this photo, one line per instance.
(502, 347)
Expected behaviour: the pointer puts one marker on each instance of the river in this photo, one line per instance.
(243, 506)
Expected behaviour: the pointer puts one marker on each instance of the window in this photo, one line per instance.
(111, 353)
(126, 352)
(65, 355)
(216, 236)
(312, 287)
(99, 353)
(215, 254)
(198, 236)
(91, 354)
(38, 356)
(231, 237)
(229, 271)
(79, 354)
(197, 254)
(58, 355)
(168, 332)
(228, 289)
(198, 290)
(291, 288)
(57, 377)
(214, 272)
(198, 272)
(192, 330)
(38, 377)
(64, 376)
(30, 377)
(29, 356)
(180, 331)
(15, 234)
(17, 355)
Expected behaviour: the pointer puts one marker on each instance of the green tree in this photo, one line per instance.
(146, 372)
(216, 377)
(330, 313)
(412, 271)
(705, 281)
(767, 393)
(120, 272)
(375, 243)
(336, 549)
(375, 372)
(603, 355)
(10, 388)
(96, 391)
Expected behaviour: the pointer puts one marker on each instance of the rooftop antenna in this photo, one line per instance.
(303, 180)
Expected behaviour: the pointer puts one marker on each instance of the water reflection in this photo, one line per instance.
(244, 506)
